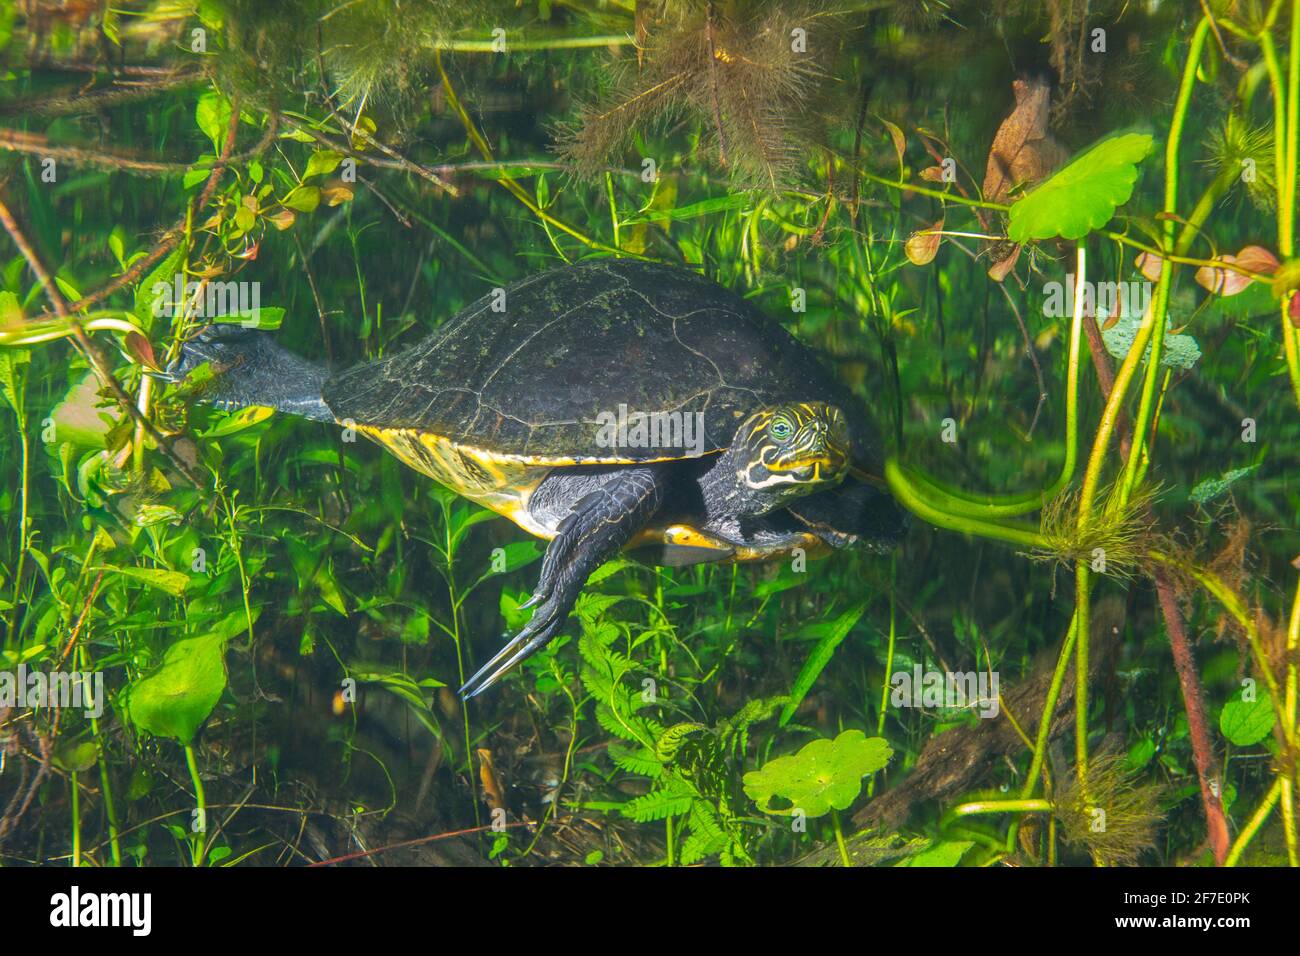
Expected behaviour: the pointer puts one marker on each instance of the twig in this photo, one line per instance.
(416, 842)
(19, 141)
(395, 159)
(1207, 770)
(62, 104)
(172, 237)
(91, 351)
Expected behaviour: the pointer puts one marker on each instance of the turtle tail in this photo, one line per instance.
(249, 368)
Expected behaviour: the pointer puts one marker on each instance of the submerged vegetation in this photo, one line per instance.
(1099, 594)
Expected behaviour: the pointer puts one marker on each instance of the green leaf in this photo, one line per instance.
(942, 853)
(303, 199)
(670, 798)
(173, 582)
(324, 161)
(1084, 194)
(1246, 723)
(76, 757)
(238, 421)
(12, 384)
(671, 740)
(158, 288)
(267, 318)
(818, 659)
(609, 569)
(213, 116)
(177, 697)
(823, 775)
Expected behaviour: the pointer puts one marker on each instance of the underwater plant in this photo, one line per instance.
(1047, 249)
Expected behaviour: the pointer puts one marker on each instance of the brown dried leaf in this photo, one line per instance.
(282, 219)
(1000, 270)
(487, 773)
(139, 348)
(1150, 266)
(900, 142)
(922, 246)
(1226, 282)
(1023, 151)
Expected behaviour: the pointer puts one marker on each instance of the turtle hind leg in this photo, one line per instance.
(250, 368)
(600, 523)
(853, 513)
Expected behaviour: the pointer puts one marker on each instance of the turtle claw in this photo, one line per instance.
(535, 635)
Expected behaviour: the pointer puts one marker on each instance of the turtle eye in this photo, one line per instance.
(781, 428)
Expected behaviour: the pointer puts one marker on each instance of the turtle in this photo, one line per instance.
(609, 405)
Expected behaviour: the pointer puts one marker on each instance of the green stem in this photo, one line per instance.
(839, 837)
(76, 820)
(1000, 806)
(906, 493)
(105, 783)
(198, 841)
(958, 502)
(1256, 821)
(1082, 588)
(556, 43)
(934, 193)
(1285, 191)
(1159, 308)
(1049, 710)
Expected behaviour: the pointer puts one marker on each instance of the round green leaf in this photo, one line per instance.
(1084, 194)
(824, 774)
(179, 695)
(1247, 722)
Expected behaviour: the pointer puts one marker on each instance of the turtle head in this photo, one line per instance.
(786, 451)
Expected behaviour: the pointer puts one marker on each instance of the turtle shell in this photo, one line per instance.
(539, 371)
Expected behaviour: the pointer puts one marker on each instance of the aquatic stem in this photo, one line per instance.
(1008, 506)
(1044, 733)
(1082, 588)
(1159, 307)
(76, 819)
(110, 809)
(839, 837)
(198, 839)
(24, 444)
(905, 491)
(975, 807)
(1285, 184)
(1233, 604)
(555, 43)
(1288, 772)
(450, 554)
(1256, 821)
(933, 193)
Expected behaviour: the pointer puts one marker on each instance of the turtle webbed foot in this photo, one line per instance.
(600, 524)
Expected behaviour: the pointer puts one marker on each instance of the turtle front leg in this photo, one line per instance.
(600, 523)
